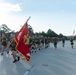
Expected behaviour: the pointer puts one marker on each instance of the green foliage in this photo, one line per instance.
(30, 29)
(75, 37)
(5, 28)
(49, 32)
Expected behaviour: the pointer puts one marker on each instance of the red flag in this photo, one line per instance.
(22, 40)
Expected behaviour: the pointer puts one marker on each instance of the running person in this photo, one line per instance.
(72, 42)
(14, 52)
(63, 42)
(55, 42)
(4, 44)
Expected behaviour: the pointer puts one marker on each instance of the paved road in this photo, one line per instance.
(50, 61)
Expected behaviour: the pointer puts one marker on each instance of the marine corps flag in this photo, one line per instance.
(22, 40)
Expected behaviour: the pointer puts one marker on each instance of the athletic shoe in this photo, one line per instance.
(18, 58)
(1, 53)
(14, 61)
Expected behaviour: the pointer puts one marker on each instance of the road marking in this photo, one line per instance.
(29, 70)
(26, 72)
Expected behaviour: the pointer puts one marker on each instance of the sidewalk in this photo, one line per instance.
(44, 62)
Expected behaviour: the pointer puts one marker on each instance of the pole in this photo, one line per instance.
(28, 19)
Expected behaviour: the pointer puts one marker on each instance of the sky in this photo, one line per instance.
(57, 15)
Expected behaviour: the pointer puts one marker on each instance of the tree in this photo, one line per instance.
(5, 28)
(75, 37)
(43, 33)
(60, 35)
(31, 33)
(51, 33)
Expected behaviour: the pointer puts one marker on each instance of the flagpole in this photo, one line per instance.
(28, 19)
(73, 32)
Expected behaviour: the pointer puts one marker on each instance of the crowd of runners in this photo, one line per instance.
(35, 44)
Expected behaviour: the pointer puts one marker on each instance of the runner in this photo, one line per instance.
(4, 44)
(55, 43)
(72, 42)
(14, 52)
(63, 42)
